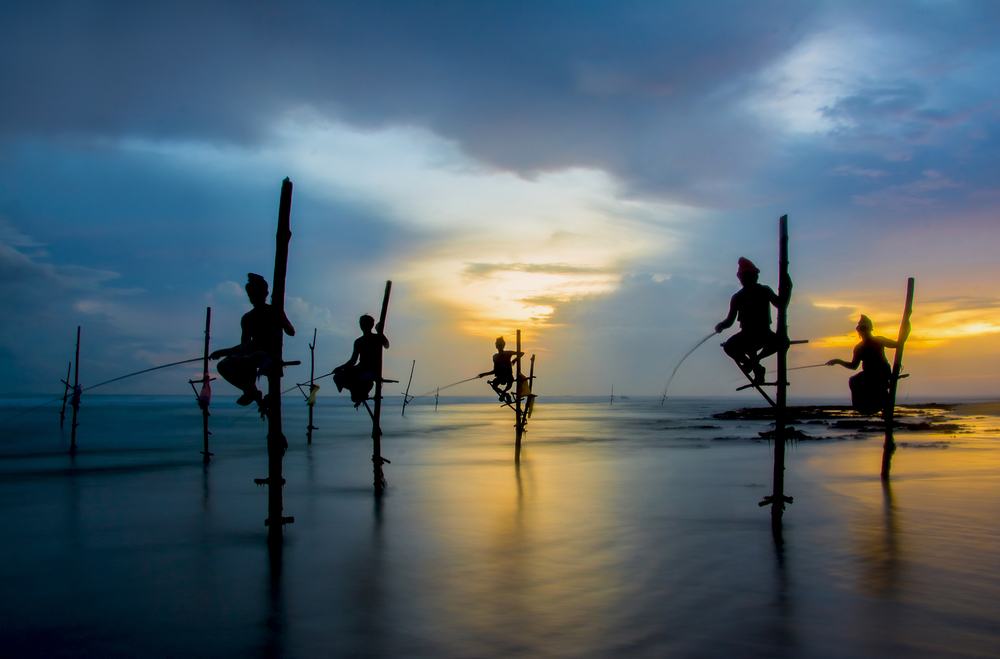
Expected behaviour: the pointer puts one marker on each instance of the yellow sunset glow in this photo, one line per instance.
(934, 322)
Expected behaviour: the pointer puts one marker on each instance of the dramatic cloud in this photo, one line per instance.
(548, 165)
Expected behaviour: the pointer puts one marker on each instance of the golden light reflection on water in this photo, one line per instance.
(529, 568)
(929, 537)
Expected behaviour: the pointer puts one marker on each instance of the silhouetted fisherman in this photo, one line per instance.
(870, 387)
(259, 345)
(503, 372)
(358, 373)
(752, 306)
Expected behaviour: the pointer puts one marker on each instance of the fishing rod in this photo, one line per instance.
(99, 384)
(145, 370)
(799, 368)
(686, 355)
(447, 386)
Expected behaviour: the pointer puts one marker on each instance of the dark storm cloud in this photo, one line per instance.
(652, 91)
(522, 85)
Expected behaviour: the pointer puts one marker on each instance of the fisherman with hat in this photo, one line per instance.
(503, 374)
(870, 387)
(259, 344)
(752, 306)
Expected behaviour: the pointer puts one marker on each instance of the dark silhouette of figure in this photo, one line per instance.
(503, 373)
(752, 306)
(257, 351)
(870, 387)
(358, 373)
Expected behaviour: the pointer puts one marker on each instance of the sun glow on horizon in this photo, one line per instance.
(934, 322)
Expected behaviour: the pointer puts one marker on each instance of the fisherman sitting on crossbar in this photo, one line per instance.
(358, 373)
(503, 374)
(259, 345)
(752, 306)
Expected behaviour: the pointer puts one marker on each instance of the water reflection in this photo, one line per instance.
(274, 621)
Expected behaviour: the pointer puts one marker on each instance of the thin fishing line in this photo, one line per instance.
(686, 355)
(145, 370)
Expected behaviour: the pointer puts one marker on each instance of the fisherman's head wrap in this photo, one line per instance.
(746, 266)
(865, 323)
(256, 286)
(500, 343)
(366, 322)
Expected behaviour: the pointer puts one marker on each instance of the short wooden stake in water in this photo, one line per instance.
(612, 401)
(311, 398)
(437, 395)
(518, 419)
(888, 415)
(276, 442)
(77, 392)
(377, 459)
(777, 499)
(62, 412)
(406, 394)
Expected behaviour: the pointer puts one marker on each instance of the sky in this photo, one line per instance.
(588, 172)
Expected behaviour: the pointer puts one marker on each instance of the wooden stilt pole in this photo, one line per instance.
(518, 420)
(311, 399)
(437, 395)
(888, 415)
(377, 459)
(62, 412)
(75, 401)
(406, 395)
(777, 499)
(612, 402)
(203, 400)
(276, 443)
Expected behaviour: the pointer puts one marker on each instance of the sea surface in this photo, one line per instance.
(630, 530)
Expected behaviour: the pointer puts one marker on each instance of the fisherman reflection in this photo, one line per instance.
(259, 347)
(358, 373)
(503, 373)
(870, 387)
(752, 306)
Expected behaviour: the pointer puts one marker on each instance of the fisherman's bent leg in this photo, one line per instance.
(736, 348)
(241, 372)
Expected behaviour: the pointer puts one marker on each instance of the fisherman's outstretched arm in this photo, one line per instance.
(853, 364)
(354, 357)
(244, 342)
(887, 342)
(287, 326)
(728, 320)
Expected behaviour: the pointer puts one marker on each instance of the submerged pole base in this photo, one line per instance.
(284, 520)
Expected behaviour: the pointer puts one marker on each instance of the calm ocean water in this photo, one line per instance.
(627, 531)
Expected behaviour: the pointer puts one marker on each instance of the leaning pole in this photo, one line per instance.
(276, 442)
(888, 415)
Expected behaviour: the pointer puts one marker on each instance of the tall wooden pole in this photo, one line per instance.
(437, 395)
(75, 401)
(518, 422)
(276, 442)
(377, 460)
(406, 394)
(778, 498)
(888, 415)
(311, 400)
(62, 412)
